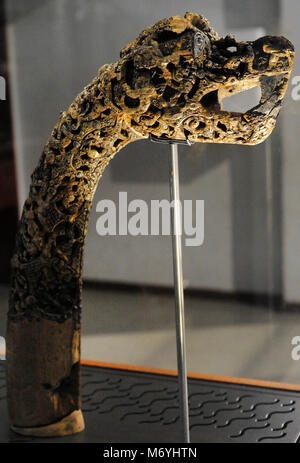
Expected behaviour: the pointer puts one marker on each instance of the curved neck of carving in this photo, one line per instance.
(48, 259)
(43, 329)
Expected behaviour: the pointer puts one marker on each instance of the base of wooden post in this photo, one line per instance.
(71, 424)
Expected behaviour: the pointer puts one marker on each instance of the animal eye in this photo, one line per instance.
(199, 44)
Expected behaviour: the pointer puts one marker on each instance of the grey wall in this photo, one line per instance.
(56, 47)
(291, 163)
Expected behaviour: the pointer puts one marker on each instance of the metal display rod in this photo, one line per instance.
(178, 289)
(178, 278)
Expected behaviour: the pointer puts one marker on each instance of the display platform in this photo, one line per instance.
(134, 405)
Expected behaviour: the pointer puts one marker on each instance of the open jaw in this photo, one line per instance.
(213, 124)
(212, 102)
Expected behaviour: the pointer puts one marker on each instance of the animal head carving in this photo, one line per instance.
(171, 81)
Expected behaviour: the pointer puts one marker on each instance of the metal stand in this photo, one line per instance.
(178, 289)
(178, 278)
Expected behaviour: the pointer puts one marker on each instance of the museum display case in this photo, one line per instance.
(223, 91)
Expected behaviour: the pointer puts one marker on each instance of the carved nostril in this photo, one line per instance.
(273, 44)
(281, 44)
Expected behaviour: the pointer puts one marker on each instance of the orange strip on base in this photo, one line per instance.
(203, 376)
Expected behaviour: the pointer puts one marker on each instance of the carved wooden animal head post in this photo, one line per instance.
(168, 83)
